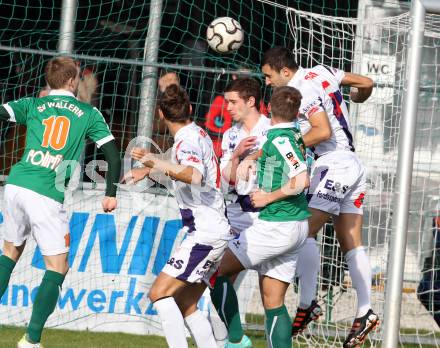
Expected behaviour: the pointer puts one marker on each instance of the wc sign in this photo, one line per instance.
(382, 69)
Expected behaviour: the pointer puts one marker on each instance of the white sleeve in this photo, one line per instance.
(226, 151)
(295, 164)
(339, 74)
(10, 112)
(331, 74)
(189, 154)
(311, 102)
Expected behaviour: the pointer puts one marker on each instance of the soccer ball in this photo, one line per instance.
(224, 35)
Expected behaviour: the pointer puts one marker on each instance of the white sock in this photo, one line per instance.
(360, 273)
(307, 268)
(172, 322)
(218, 326)
(201, 330)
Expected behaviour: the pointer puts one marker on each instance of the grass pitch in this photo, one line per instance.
(54, 338)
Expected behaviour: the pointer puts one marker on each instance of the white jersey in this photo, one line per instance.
(234, 135)
(319, 87)
(241, 204)
(202, 207)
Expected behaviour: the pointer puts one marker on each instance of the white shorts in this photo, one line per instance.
(27, 212)
(195, 262)
(338, 183)
(239, 219)
(271, 247)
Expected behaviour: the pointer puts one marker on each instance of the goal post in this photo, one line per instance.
(67, 26)
(149, 73)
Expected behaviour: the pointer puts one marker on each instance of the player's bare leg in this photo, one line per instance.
(57, 263)
(278, 322)
(230, 266)
(307, 271)
(199, 326)
(316, 221)
(12, 251)
(187, 300)
(165, 286)
(273, 292)
(348, 229)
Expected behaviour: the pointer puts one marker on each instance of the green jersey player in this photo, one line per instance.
(57, 126)
(285, 149)
(271, 245)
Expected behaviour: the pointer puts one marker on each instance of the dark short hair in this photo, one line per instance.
(246, 87)
(278, 58)
(285, 103)
(60, 70)
(175, 105)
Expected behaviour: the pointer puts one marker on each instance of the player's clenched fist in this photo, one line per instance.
(259, 199)
(245, 146)
(109, 204)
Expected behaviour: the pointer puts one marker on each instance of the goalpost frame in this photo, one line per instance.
(401, 198)
(67, 26)
(149, 74)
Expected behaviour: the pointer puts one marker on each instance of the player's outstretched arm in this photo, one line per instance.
(135, 175)
(363, 84)
(293, 187)
(184, 173)
(111, 154)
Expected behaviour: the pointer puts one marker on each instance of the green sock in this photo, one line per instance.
(6, 267)
(44, 304)
(278, 327)
(224, 298)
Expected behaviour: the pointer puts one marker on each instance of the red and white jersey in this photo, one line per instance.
(202, 207)
(320, 90)
(235, 134)
(241, 212)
